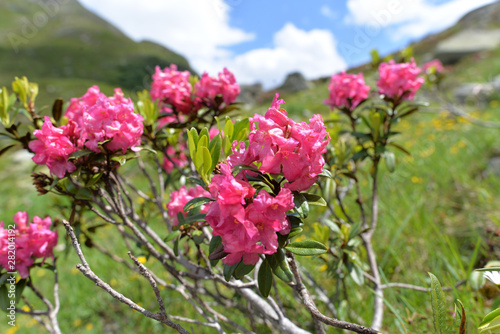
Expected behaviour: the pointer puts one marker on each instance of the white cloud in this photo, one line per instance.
(313, 53)
(198, 29)
(328, 12)
(414, 18)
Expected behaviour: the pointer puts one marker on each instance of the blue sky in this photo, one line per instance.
(261, 40)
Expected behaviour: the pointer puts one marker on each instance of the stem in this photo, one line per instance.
(315, 313)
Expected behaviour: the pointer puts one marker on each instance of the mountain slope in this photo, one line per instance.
(62, 45)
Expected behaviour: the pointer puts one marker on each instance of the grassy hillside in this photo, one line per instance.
(67, 48)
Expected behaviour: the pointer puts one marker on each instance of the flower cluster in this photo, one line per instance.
(247, 225)
(175, 158)
(347, 91)
(93, 118)
(433, 66)
(173, 88)
(208, 88)
(32, 241)
(399, 81)
(178, 199)
(282, 146)
(54, 146)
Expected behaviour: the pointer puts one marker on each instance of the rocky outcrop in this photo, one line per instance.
(249, 94)
(294, 82)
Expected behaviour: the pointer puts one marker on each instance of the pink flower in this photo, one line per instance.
(208, 88)
(178, 199)
(54, 146)
(434, 64)
(172, 87)
(112, 119)
(175, 159)
(399, 81)
(282, 146)
(78, 105)
(32, 241)
(347, 91)
(247, 225)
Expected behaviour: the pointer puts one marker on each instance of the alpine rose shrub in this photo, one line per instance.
(32, 241)
(399, 81)
(178, 199)
(246, 225)
(347, 91)
(93, 118)
(284, 146)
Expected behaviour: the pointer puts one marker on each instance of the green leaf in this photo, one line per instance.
(279, 265)
(215, 149)
(241, 130)
(438, 305)
(476, 280)
(401, 148)
(314, 199)
(265, 279)
(306, 248)
(490, 321)
(20, 285)
(172, 236)
(198, 237)
(489, 269)
(204, 133)
(242, 269)
(301, 205)
(228, 129)
(390, 160)
(203, 162)
(196, 202)
(295, 232)
(356, 273)
(176, 246)
(79, 153)
(83, 194)
(229, 271)
(192, 143)
(4, 106)
(4, 299)
(214, 243)
(194, 218)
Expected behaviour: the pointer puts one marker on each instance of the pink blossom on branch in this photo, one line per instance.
(54, 146)
(178, 199)
(283, 146)
(347, 91)
(172, 87)
(208, 88)
(399, 81)
(117, 122)
(247, 225)
(32, 241)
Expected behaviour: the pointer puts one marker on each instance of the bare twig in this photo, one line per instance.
(85, 269)
(315, 313)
